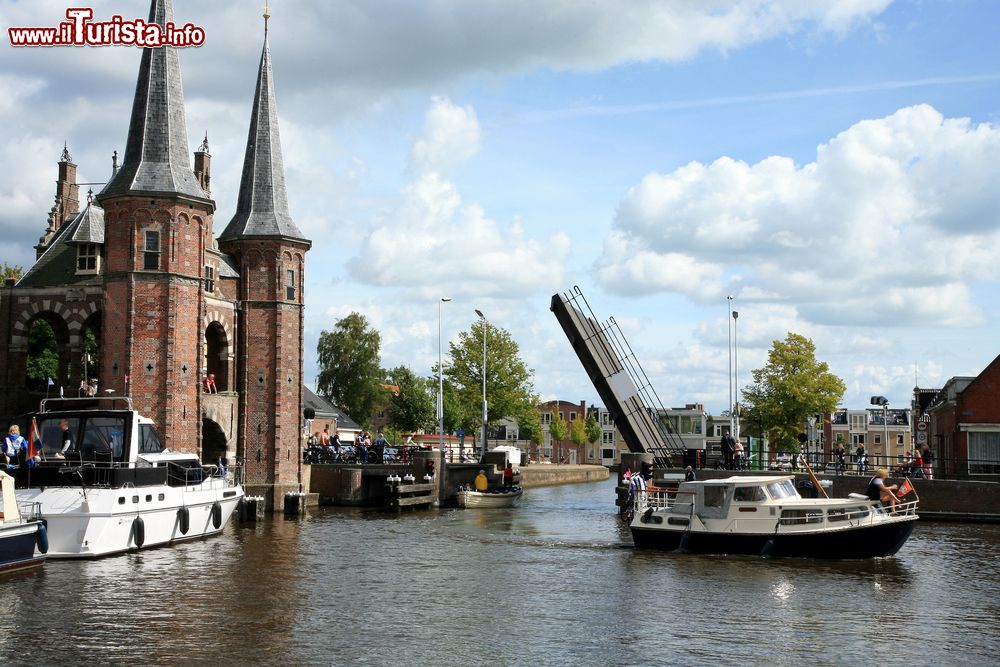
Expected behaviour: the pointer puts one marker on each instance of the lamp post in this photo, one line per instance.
(736, 373)
(482, 451)
(884, 402)
(729, 330)
(440, 401)
(812, 436)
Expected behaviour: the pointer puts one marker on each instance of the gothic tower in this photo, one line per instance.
(158, 221)
(270, 252)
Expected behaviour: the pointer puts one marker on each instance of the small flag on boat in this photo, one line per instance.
(52, 382)
(34, 440)
(904, 488)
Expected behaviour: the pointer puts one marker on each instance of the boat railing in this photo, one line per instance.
(86, 402)
(30, 511)
(194, 476)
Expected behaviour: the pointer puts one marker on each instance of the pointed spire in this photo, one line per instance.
(156, 153)
(204, 144)
(262, 204)
(65, 154)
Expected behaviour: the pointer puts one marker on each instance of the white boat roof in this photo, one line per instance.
(747, 479)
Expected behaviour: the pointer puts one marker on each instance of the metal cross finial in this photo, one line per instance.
(65, 154)
(204, 143)
(90, 196)
(267, 15)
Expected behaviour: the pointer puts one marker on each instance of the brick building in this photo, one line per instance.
(139, 269)
(565, 449)
(964, 430)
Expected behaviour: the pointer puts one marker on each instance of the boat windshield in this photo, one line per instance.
(745, 494)
(149, 441)
(98, 437)
(782, 489)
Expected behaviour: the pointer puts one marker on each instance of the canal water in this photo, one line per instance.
(552, 582)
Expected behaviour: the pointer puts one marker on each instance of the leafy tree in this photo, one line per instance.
(12, 271)
(593, 430)
(789, 388)
(350, 374)
(412, 408)
(578, 432)
(558, 431)
(529, 422)
(509, 390)
(43, 355)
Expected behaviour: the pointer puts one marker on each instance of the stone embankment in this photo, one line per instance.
(541, 474)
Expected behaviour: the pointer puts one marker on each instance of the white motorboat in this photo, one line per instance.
(23, 540)
(489, 499)
(766, 516)
(116, 488)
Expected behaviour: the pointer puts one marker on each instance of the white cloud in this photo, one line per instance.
(886, 226)
(451, 134)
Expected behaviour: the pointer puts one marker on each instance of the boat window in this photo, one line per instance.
(746, 494)
(104, 438)
(836, 514)
(782, 489)
(857, 512)
(52, 436)
(796, 517)
(149, 441)
(715, 496)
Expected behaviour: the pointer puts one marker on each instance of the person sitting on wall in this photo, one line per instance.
(481, 483)
(209, 384)
(879, 490)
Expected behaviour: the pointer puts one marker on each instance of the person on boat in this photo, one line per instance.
(879, 490)
(67, 436)
(508, 475)
(15, 448)
(689, 475)
(481, 482)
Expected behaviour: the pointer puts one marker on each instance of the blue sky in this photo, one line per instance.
(831, 164)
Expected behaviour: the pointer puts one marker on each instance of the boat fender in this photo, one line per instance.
(765, 551)
(184, 520)
(42, 538)
(217, 515)
(138, 532)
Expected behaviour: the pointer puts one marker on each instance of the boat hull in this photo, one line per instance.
(112, 521)
(871, 541)
(476, 499)
(18, 546)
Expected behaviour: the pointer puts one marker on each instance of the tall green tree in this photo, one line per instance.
(350, 372)
(412, 407)
(509, 389)
(593, 430)
(557, 431)
(790, 387)
(43, 355)
(529, 422)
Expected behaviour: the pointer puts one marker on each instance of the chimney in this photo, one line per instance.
(203, 166)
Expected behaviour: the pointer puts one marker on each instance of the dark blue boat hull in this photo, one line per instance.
(862, 542)
(18, 551)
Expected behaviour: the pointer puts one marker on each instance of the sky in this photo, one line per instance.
(832, 165)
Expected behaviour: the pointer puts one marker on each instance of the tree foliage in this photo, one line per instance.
(578, 431)
(412, 408)
(12, 271)
(509, 390)
(350, 373)
(43, 355)
(789, 388)
(593, 430)
(557, 429)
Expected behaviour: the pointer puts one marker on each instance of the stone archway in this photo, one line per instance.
(214, 443)
(47, 353)
(217, 355)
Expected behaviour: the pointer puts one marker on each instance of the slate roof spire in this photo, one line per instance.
(156, 153)
(262, 204)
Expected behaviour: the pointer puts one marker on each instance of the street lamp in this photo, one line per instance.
(812, 436)
(482, 452)
(884, 402)
(440, 401)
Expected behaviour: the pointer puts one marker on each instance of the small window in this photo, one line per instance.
(797, 517)
(899, 438)
(749, 494)
(607, 453)
(209, 279)
(572, 416)
(88, 258)
(715, 496)
(290, 284)
(877, 439)
(151, 251)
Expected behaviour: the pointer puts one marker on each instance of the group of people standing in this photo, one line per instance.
(733, 454)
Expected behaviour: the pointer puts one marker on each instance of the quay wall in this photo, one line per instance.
(940, 500)
(547, 475)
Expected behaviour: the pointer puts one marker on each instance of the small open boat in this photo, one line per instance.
(487, 499)
(766, 516)
(23, 539)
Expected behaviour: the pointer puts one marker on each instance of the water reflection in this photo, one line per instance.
(550, 582)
